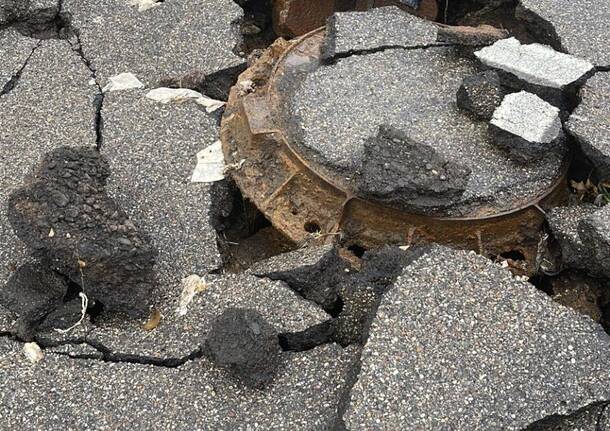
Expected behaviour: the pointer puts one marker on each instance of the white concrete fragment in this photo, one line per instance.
(33, 352)
(181, 95)
(536, 64)
(528, 116)
(210, 164)
(122, 81)
(191, 285)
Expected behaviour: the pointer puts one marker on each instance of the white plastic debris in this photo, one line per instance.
(122, 81)
(33, 352)
(191, 285)
(144, 5)
(181, 95)
(245, 87)
(210, 164)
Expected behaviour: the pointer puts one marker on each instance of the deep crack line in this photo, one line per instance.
(14, 81)
(98, 101)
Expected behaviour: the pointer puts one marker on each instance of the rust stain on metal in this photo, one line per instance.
(295, 195)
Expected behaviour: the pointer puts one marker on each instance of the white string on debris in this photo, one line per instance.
(83, 313)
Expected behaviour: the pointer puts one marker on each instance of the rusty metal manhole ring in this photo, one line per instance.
(307, 204)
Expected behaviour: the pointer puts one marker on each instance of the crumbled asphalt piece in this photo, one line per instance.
(590, 122)
(534, 63)
(409, 175)
(290, 261)
(152, 149)
(576, 27)
(177, 336)
(586, 419)
(64, 316)
(67, 220)
(32, 293)
(318, 282)
(196, 395)
(12, 10)
(15, 50)
(538, 69)
(51, 106)
(563, 222)
(350, 32)
(594, 233)
(242, 341)
(481, 94)
(167, 39)
(337, 107)
(527, 127)
(459, 342)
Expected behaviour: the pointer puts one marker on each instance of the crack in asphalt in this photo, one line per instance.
(14, 81)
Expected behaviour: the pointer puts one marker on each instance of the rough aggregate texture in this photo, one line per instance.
(338, 107)
(67, 220)
(590, 122)
(64, 393)
(475, 349)
(173, 38)
(527, 127)
(349, 32)
(46, 111)
(594, 232)
(564, 222)
(576, 27)
(481, 94)
(14, 51)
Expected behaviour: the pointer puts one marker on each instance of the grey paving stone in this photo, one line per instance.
(577, 27)
(563, 222)
(64, 393)
(527, 127)
(534, 63)
(177, 336)
(590, 122)
(152, 149)
(347, 32)
(171, 39)
(460, 344)
(15, 50)
(339, 106)
(51, 106)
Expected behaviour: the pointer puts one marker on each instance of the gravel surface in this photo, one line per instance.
(170, 39)
(475, 349)
(590, 122)
(177, 336)
(152, 149)
(578, 27)
(14, 52)
(64, 393)
(382, 27)
(51, 106)
(338, 107)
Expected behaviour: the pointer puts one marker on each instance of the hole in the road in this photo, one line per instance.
(312, 227)
(515, 255)
(357, 250)
(244, 234)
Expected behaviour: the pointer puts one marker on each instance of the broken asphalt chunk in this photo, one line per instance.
(575, 27)
(594, 232)
(67, 220)
(458, 340)
(387, 27)
(409, 175)
(242, 341)
(564, 222)
(589, 124)
(536, 68)
(481, 94)
(527, 127)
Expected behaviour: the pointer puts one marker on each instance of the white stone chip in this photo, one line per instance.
(33, 352)
(528, 116)
(122, 81)
(535, 63)
(144, 5)
(191, 285)
(181, 95)
(210, 164)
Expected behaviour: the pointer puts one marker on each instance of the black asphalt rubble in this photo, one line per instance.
(121, 308)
